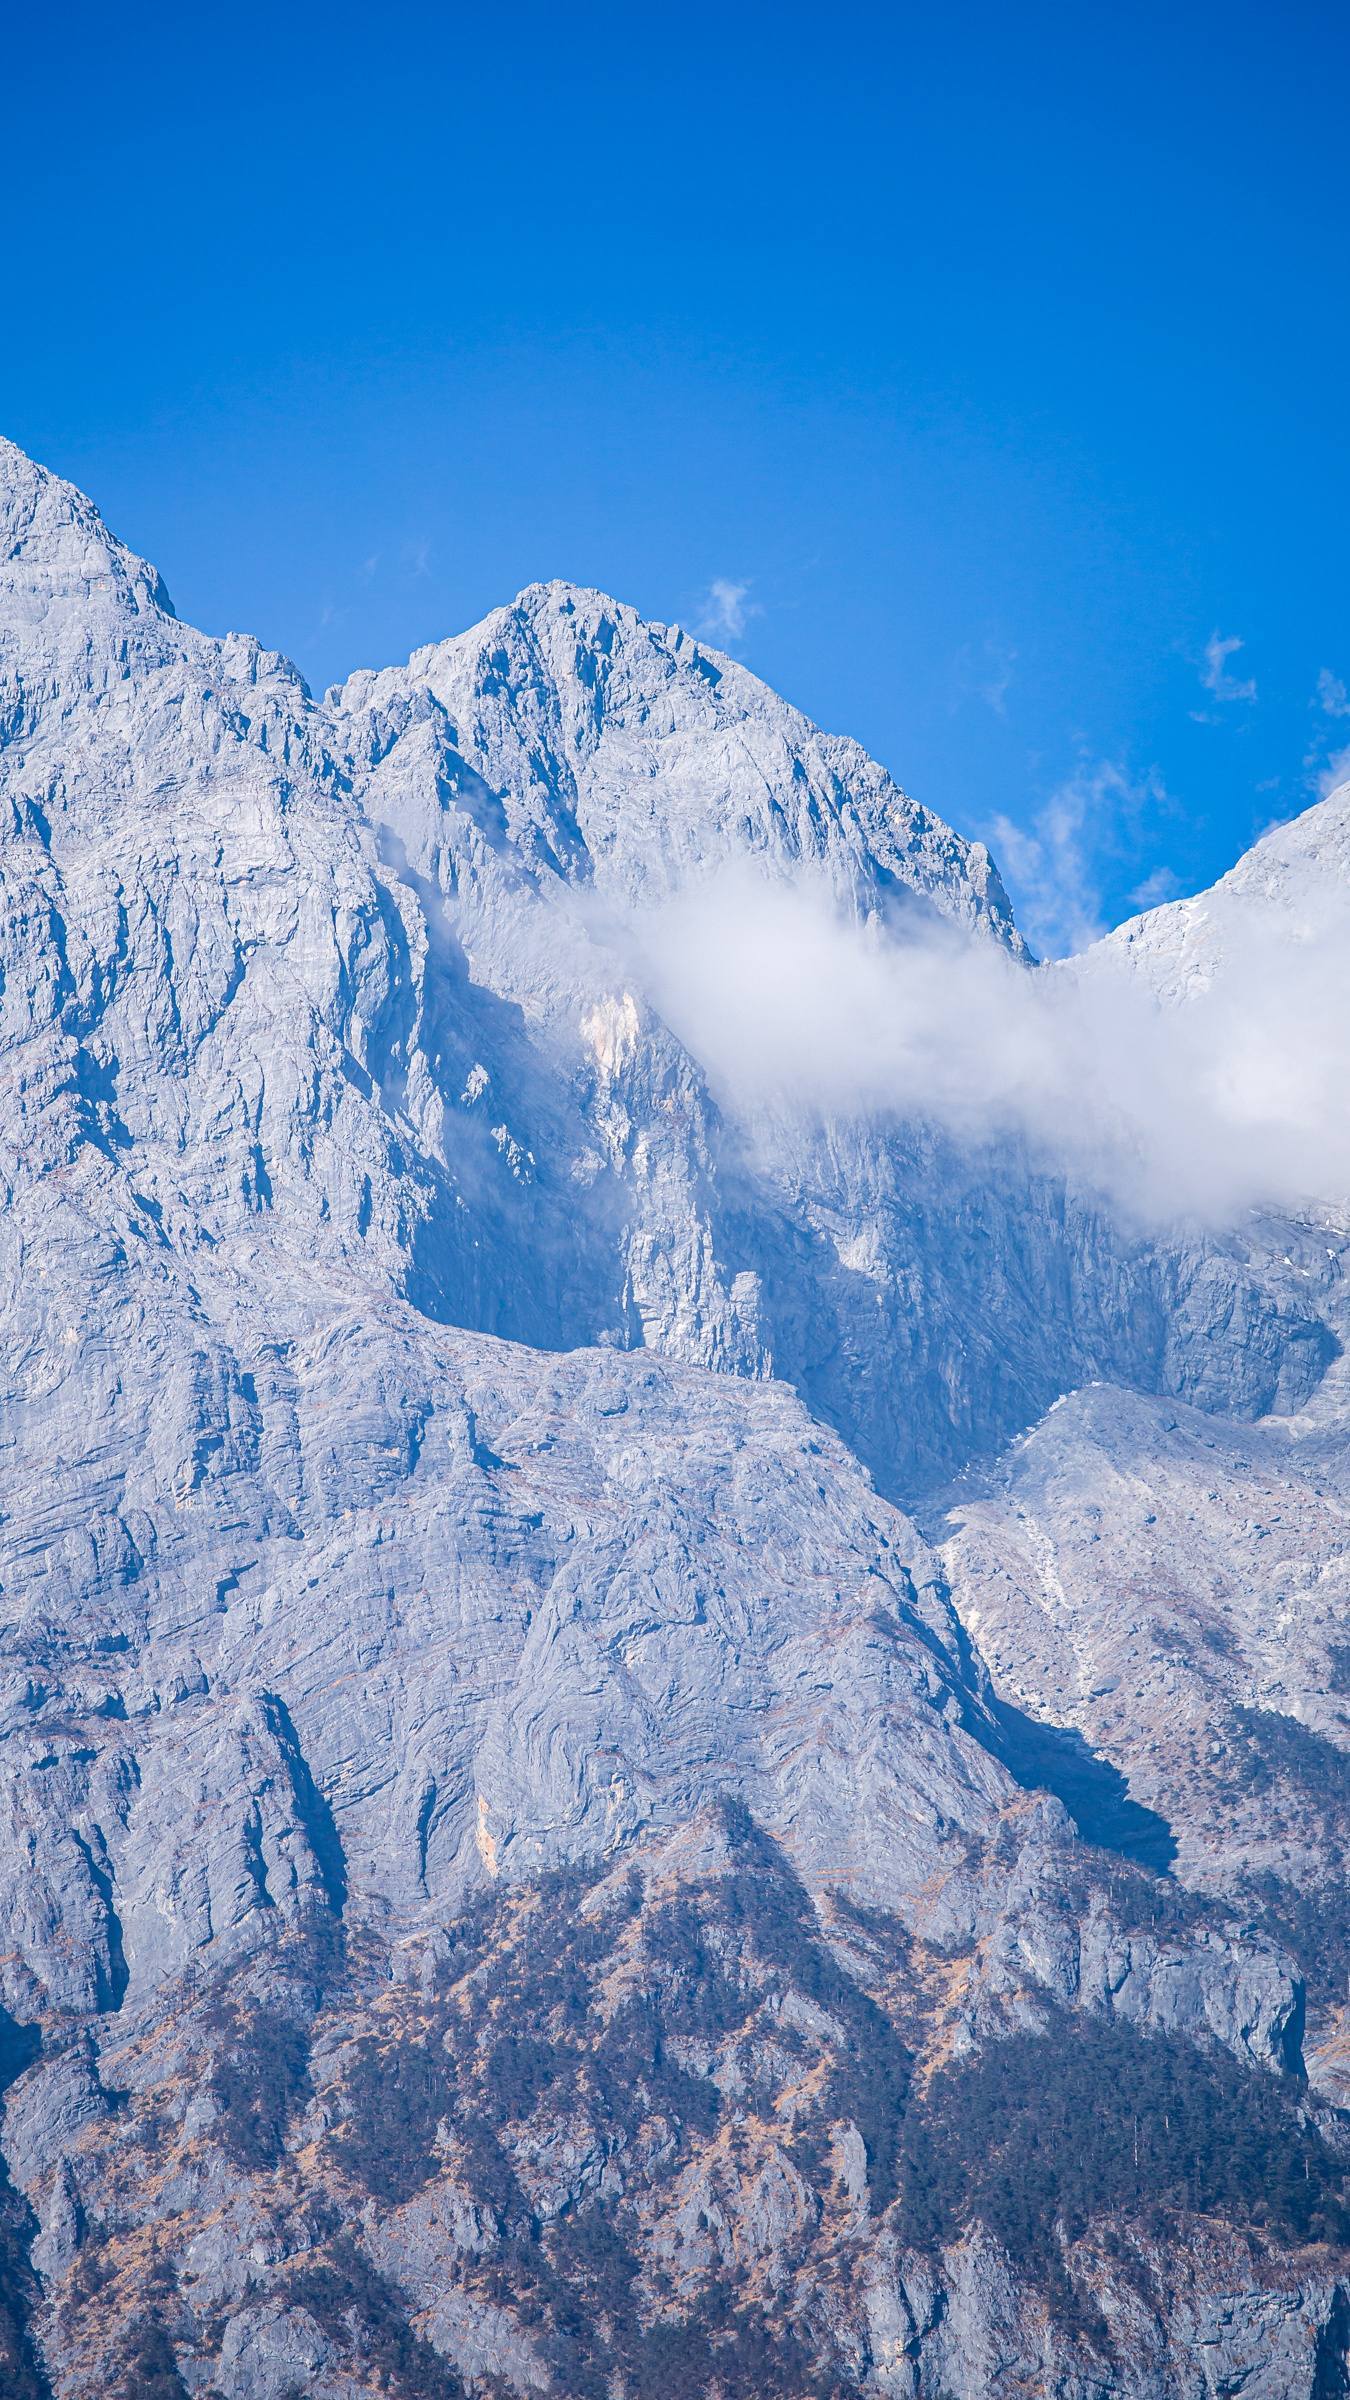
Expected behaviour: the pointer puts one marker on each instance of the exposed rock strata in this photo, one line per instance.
(515, 1865)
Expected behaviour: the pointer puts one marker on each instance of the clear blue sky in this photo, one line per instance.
(1001, 354)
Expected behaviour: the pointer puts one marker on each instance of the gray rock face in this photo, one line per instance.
(565, 761)
(488, 1777)
(344, 970)
(1171, 1587)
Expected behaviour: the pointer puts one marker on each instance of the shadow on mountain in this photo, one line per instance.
(21, 2373)
(1055, 1758)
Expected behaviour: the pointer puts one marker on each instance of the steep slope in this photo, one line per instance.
(1286, 887)
(515, 1870)
(1170, 1587)
(386, 1002)
(631, 757)
(563, 763)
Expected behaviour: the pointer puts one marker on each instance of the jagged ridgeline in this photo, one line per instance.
(519, 1879)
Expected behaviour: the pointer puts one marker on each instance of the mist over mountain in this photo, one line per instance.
(672, 1547)
(1178, 1089)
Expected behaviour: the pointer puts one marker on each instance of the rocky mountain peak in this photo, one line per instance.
(55, 549)
(635, 756)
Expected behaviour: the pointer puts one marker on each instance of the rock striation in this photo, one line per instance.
(527, 1870)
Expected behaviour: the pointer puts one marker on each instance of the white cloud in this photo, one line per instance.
(1156, 889)
(1047, 868)
(1326, 768)
(1051, 864)
(1216, 679)
(726, 610)
(1227, 1097)
(1335, 771)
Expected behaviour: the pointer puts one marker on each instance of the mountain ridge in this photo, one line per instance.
(516, 1853)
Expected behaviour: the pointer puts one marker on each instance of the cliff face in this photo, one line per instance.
(518, 1876)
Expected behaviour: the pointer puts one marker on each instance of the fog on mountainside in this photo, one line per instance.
(1204, 1099)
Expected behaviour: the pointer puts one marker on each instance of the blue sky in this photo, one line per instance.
(978, 375)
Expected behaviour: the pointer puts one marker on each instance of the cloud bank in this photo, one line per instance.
(1227, 1094)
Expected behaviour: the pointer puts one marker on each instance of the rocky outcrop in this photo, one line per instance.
(671, 2123)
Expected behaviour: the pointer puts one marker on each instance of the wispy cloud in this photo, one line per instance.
(1223, 687)
(1047, 866)
(1327, 767)
(1053, 864)
(1156, 889)
(1334, 772)
(985, 674)
(726, 610)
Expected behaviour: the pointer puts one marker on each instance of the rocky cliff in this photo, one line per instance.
(551, 1850)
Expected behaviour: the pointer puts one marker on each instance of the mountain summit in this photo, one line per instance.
(527, 1870)
(637, 756)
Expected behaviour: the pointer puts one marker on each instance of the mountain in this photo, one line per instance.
(566, 1834)
(1170, 1585)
